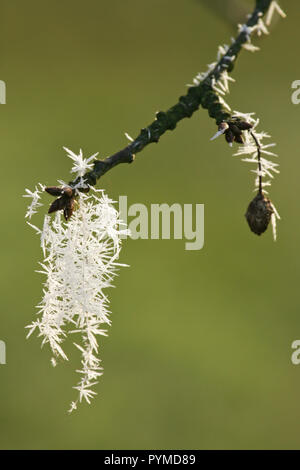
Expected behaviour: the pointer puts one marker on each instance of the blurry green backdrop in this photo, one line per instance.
(198, 355)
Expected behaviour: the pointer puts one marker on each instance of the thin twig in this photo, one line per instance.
(258, 162)
(201, 95)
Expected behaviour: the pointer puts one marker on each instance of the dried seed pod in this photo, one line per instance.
(54, 190)
(259, 214)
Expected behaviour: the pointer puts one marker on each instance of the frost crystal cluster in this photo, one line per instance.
(80, 262)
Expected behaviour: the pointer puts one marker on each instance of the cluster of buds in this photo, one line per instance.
(65, 202)
(233, 130)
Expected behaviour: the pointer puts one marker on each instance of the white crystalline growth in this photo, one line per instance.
(80, 263)
(81, 165)
(274, 7)
(35, 204)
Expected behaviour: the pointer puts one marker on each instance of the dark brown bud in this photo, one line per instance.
(236, 131)
(229, 136)
(259, 213)
(57, 205)
(243, 125)
(239, 139)
(54, 190)
(68, 191)
(69, 208)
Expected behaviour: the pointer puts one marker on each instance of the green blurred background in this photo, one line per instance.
(198, 355)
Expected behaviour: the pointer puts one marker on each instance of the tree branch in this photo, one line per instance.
(202, 94)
